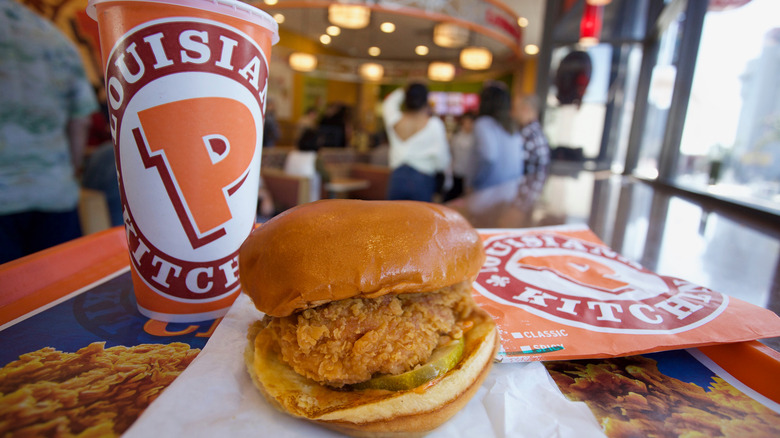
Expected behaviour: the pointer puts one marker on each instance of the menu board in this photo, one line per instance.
(451, 103)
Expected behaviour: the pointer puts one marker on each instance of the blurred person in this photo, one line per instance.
(265, 203)
(309, 165)
(99, 169)
(535, 146)
(418, 144)
(462, 146)
(271, 130)
(306, 135)
(308, 120)
(45, 110)
(334, 130)
(100, 174)
(498, 149)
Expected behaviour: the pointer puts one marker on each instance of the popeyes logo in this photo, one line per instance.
(584, 284)
(186, 99)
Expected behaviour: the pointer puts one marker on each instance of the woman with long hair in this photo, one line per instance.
(498, 151)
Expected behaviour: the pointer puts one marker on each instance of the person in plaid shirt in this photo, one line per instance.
(535, 145)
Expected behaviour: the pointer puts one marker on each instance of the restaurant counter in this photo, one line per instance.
(79, 359)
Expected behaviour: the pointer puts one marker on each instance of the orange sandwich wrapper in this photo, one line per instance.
(559, 293)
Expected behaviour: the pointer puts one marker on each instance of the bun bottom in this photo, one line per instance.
(374, 413)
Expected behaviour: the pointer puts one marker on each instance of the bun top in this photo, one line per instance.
(336, 249)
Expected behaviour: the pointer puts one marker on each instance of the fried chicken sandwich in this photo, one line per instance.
(370, 328)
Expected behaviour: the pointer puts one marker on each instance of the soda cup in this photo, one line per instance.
(186, 85)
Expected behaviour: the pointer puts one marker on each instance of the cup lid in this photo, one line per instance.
(234, 8)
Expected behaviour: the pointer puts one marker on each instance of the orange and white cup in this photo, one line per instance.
(186, 84)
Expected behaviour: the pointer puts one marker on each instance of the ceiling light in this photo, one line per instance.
(349, 16)
(279, 18)
(522, 21)
(304, 62)
(372, 71)
(374, 51)
(387, 27)
(421, 50)
(476, 58)
(450, 35)
(333, 30)
(271, 2)
(441, 71)
(325, 39)
(598, 2)
(531, 49)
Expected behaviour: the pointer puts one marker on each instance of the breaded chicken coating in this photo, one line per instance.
(350, 340)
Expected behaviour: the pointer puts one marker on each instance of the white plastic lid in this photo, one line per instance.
(233, 8)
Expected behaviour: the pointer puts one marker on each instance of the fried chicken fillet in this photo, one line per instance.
(348, 341)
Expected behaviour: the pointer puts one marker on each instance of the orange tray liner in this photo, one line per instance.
(36, 280)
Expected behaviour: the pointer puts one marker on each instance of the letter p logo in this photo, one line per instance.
(580, 270)
(202, 149)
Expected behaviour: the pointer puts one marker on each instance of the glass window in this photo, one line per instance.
(578, 127)
(659, 99)
(731, 139)
(625, 101)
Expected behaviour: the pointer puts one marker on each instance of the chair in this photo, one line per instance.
(304, 164)
(377, 176)
(337, 161)
(286, 190)
(275, 156)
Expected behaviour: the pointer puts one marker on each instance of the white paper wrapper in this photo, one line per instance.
(215, 397)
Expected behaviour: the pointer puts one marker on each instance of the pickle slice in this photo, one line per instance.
(442, 360)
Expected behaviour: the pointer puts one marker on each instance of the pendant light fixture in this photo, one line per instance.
(450, 36)
(303, 62)
(371, 71)
(476, 58)
(441, 71)
(349, 15)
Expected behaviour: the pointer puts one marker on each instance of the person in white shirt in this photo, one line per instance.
(418, 144)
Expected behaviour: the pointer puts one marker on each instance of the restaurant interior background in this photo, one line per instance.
(680, 93)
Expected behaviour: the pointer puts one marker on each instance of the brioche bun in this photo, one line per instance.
(331, 250)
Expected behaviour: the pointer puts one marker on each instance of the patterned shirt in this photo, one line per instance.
(537, 150)
(498, 154)
(43, 87)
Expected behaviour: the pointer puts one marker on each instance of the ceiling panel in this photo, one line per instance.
(411, 31)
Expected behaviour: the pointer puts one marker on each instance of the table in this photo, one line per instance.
(340, 186)
(83, 295)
